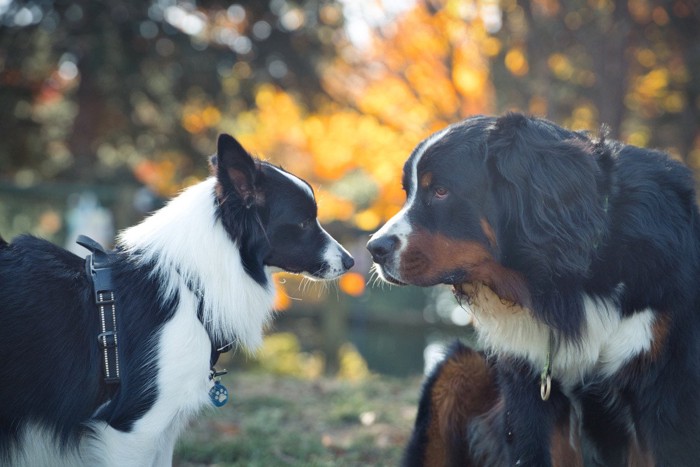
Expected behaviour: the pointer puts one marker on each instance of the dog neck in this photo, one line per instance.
(186, 245)
(498, 320)
(482, 298)
(608, 340)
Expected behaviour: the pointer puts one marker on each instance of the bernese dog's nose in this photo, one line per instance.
(382, 247)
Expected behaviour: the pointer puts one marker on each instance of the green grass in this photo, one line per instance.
(275, 420)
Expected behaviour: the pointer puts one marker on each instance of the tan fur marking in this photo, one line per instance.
(463, 389)
(435, 446)
(508, 284)
(426, 179)
(640, 364)
(431, 256)
(427, 256)
(565, 449)
(639, 457)
(660, 331)
(484, 298)
(488, 231)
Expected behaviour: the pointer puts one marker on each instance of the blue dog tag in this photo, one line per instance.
(218, 394)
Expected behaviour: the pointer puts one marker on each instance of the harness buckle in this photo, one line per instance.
(107, 339)
(104, 298)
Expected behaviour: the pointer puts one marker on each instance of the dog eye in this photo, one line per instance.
(440, 192)
(304, 225)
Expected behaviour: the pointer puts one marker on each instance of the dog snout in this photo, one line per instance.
(347, 261)
(382, 247)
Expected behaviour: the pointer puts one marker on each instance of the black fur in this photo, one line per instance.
(50, 358)
(576, 216)
(50, 363)
(268, 231)
(645, 236)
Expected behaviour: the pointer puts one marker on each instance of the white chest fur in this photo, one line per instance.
(608, 341)
(185, 239)
(183, 353)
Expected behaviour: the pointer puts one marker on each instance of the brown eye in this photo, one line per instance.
(440, 192)
(304, 225)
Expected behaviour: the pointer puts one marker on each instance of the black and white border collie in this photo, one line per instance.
(196, 272)
(580, 260)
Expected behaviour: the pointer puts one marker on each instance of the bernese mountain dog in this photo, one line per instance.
(579, 258)
(191, 280)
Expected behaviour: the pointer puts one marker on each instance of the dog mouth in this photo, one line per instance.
(453, 278)
(393, 280)
(463, 282)
(324, 275)
(328, 271)
(387, 277)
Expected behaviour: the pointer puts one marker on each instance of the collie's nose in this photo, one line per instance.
(347, 260)
(381, 247)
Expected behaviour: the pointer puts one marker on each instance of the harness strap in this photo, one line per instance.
(98, 267)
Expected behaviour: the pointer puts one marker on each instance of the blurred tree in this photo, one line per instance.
(416, 73)
(94, 89)
(627, 64)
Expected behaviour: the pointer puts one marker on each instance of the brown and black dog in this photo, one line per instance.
(579, 257)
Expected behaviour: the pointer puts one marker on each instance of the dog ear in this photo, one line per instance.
(213, 162)
(544, 182)
(235, 169)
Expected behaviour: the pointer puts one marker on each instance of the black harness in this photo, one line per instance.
(98, 267)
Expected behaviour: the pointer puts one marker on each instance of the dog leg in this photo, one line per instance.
(460, 388)
(528, 420)
(166, 445)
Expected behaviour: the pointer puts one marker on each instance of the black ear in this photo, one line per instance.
(235, 169)
(544, 182)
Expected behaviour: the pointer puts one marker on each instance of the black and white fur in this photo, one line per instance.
(590, 241)
(196, 272)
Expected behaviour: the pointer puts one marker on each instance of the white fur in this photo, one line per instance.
(194, 259)
(188, 246)
(39, 449)
(607, 343)
(399, 224)
(107, 447)
(201, 252)
(333, 257)
(182, 354)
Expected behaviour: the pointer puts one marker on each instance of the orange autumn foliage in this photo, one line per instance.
(422, 72)
(282, 299)
(352, 283)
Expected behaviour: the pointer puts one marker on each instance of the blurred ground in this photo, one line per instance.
(275, 420)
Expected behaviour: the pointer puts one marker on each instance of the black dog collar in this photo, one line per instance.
(98, 267)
